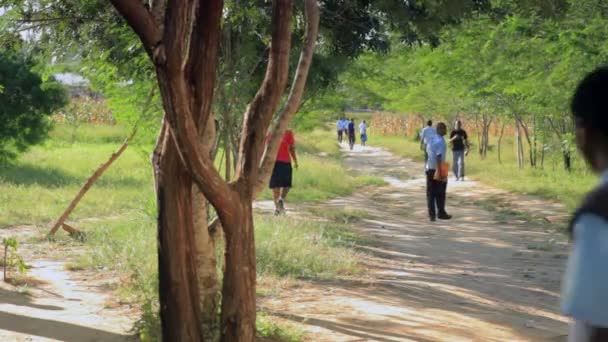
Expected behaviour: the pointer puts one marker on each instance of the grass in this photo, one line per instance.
(304, 248)
(118, 214)
(40, 184)
(551, 182)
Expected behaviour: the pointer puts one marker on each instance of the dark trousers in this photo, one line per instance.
(435, 194)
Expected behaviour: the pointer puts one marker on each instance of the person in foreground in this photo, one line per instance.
(436, 174)
(426, 135)
(585, 285)
(460, 148)
(281, 179)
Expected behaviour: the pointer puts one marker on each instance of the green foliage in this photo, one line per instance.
(268, 328)
(26, 102)
(11, 257)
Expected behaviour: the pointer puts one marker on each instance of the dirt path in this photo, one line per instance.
(490, 274)
(60, 305)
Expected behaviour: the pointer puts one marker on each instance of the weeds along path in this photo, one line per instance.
(57, 304)
(491, 274)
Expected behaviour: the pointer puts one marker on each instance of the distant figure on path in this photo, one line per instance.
(351, 133)
(460, 148)
(585, 284)
(426, 135)
(340, 128)
(436, 174)
(281, 179)
(363, 132)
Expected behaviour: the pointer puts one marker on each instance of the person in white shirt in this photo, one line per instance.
(340, 128)
(436, 184)
(426, 135)
(363, 132)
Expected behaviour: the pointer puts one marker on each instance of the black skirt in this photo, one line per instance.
(281, 175)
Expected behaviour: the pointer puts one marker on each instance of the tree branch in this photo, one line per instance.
(295, 96)
(141, 21)
(203, 58)
(259, 112)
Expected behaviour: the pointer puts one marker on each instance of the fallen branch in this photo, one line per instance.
(100, 170)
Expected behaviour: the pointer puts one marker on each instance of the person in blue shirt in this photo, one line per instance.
(585, 284)
(340, 129)
(426, 135)
(436, 186)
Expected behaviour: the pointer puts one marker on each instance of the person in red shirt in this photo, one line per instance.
(281, 179)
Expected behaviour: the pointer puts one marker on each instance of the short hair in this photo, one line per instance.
(429, 123)
(590, 101)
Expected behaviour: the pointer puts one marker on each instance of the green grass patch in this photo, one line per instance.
(37, 187)
(88, 133)
(295, 247)
(269, 328)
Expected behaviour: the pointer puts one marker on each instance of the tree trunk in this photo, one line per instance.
(528, 140)
(238, 293)
(180, 308)
(206, 258)
(567, 160)
(502, 131)
(520, 151)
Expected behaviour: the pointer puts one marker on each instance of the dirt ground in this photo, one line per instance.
(490, 274)
(54, 304)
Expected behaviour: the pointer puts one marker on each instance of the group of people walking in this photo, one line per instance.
(346, 127)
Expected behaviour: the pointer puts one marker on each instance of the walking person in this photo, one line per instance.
(460, 149)
(363, 132)
(585, 285)
(282, 174)
(426, 135)
(436, 174)
(351, 133)
(340, 128)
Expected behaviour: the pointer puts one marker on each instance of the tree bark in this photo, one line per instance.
(238, 292)
(502, 131)
(179, 295)
(520, 151)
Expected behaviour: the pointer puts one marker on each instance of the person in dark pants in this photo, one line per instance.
(436, 183)
(351, 133)
(281, 179)
(585, 284)
(460, 148)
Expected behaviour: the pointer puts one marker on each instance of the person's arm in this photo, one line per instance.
(466, 144)
(586, 279)
(292, 152)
